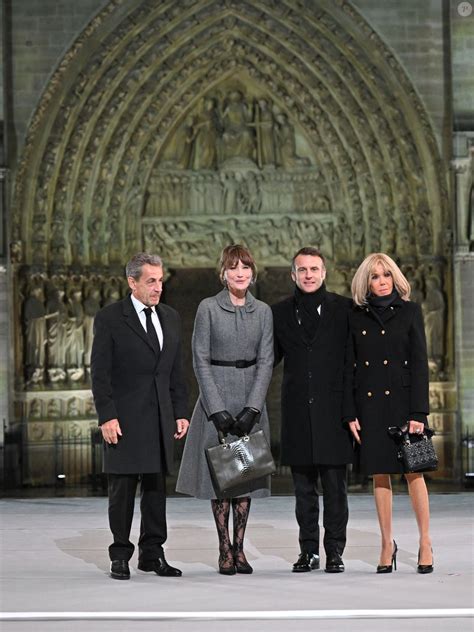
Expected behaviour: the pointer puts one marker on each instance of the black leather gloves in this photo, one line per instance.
(245, 421)
(222, 420)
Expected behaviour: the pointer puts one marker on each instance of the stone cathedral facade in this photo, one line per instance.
(180, 127)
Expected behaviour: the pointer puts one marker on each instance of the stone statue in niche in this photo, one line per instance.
(264, 124)
(56, 340)
(238, 137)
(91, 307)
(389, 235)
(205, 135)
(434, 315)
(75, 336)
(342, 237)
(34, 318)
(35, 409)
(285, 143)
(76, 244)
(178, 152)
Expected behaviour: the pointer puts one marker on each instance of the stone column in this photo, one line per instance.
(463, 167)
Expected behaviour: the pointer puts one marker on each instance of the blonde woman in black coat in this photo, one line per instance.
(389, 387)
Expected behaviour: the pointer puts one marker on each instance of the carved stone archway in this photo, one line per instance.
(122, 94)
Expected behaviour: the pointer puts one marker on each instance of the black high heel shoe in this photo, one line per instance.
(241, 565)
(226, 563)
(424, 569)
(387, 568)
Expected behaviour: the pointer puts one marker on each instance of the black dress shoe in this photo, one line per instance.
(119, 569)
(334, 563)
(306, 562)
(160, 567)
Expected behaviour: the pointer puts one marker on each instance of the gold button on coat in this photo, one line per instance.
(363, 332)
(369, 394)
(387, 392)
(383, 332)
(385, 361)
(366, 363)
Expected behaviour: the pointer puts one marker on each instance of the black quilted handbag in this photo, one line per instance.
(240, 461)
(415, 451)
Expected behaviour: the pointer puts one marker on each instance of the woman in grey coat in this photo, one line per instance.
(233, 361)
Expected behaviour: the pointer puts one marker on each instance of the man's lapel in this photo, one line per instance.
(132, 320)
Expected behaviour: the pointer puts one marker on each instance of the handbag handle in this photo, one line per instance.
(222, 437)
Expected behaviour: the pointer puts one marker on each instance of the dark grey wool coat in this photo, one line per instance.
(143, 389)
(223, 331)
(312, 388)
(387, 383)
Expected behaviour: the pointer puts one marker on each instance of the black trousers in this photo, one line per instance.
(336, 512)
(122, 490)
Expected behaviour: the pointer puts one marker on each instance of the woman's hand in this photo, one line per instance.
(223, 421)
(416, 427)
(245, 421)
(354, 427)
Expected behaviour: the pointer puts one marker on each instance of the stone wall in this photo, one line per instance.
(462, 64)
(41, 33)
(416, 32)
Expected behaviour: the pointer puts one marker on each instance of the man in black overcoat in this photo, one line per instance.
(311, 337)
(141, 400)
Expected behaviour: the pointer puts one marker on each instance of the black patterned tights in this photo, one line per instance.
(240, 513)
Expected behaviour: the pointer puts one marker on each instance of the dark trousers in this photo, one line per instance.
(122, 490)
(336, 512)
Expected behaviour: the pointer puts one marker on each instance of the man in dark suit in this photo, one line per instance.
(311, 335)
(141, 400)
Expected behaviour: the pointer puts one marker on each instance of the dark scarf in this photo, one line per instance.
(379, 305)
(307, 304)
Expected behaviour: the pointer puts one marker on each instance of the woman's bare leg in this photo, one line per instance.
(383, 503)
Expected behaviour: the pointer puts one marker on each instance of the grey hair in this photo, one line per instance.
(134, 266)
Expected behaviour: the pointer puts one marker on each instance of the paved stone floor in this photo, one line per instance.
(54, 560)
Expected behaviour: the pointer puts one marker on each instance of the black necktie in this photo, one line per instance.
(151, 331)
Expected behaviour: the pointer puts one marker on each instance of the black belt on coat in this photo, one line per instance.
(238, 364)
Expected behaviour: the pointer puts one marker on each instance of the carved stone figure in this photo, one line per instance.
(34, 316)
(286, 143)
(75, 336)
(205, 136)
(56, 345)
(91, 307)
(434, 314)
(237, 138)
(264, 129)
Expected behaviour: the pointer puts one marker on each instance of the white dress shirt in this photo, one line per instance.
(140, 307)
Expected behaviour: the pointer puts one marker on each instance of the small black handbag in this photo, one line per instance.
(240, 461)
(415, 451)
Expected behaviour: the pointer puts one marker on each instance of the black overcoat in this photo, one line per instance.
(312, 388)
(388, 384)
(143, 389)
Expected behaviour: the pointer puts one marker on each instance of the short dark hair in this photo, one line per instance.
(134, 266)
(230, 257)
(308, 250)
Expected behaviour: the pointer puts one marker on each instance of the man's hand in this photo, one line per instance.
(354, 427)
(111, 431)
(182, 426)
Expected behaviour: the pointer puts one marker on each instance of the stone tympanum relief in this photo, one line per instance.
(236, 169)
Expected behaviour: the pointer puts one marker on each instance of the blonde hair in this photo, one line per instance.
(361, 282)
(230, 257)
